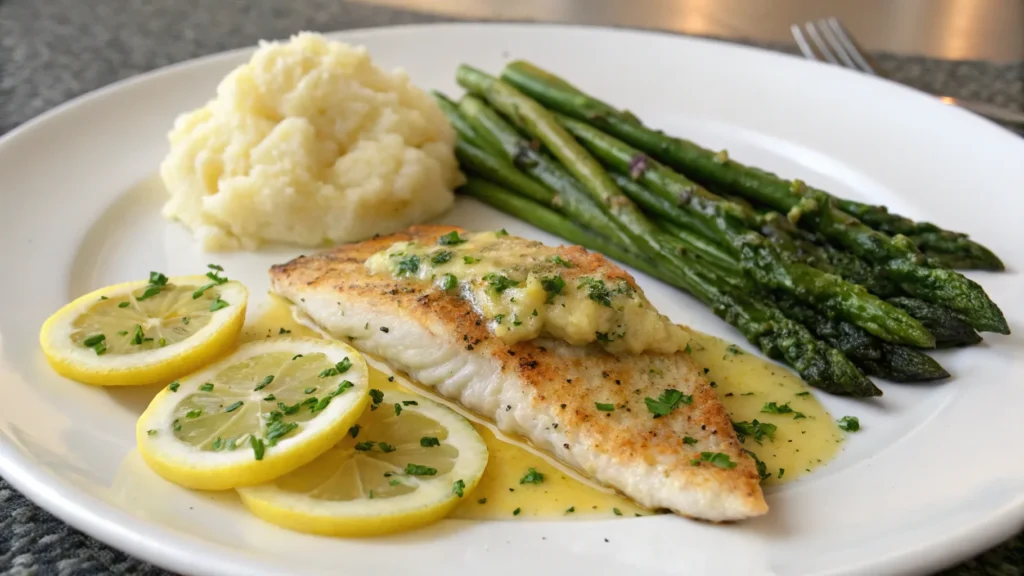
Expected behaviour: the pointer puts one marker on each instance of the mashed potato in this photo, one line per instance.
(309, 143)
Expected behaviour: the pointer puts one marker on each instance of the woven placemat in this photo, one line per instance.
(54, 50)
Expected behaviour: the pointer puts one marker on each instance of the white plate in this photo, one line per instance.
(935, 474)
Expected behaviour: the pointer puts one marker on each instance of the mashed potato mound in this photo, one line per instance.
(309, 143)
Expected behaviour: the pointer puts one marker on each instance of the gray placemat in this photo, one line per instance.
(54, 50)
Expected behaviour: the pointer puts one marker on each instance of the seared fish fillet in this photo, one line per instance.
(543, 390)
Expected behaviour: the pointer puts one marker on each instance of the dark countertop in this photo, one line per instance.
(54, 50)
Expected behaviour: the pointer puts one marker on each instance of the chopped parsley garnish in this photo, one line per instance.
(124, 304)
(281, 331)
(499, 282)
(516, 512)
(442, 257)
(617, 512)
(781, 472)
(553, 285)
(217, 444)
(570, 510)
(157, 282)
(365, 446)
(449, 282)
(218, 304)
(258, 447)
(803, 393)
(386, 448)
(97, 343)
(138, 336)
(215, 280)
(597, 291)
(428, 441)
(561, 261)
(762, 468)
(408, 265)
(176, 425)
(151, 432)
(459, 488)
(501, 233)
(162, 342)
(689, 440)
(206, 387)
(289, 409)
(470, 260)
(532, 477)
(174, 386)
(668, 401)
(309, 390)
(410, 403)
(418, 470)
(354, 430)
(688, 350)
(339, 368)
(185, 320)
(482, 501)
(193, 414)
(732, 349)
(233, 407)
(605, 407)
(270, 398)
(264, 383)
(398, 409)
(278, 429)
(296, 357)
(774, 408)
(376, 397)
(717, 458)
(849, 423)
(756, 430)
(451, 239)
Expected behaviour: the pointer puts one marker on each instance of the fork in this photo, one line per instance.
(827, 40)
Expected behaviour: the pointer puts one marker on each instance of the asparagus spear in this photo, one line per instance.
(765, 327)
(813, 208)
(510, 145)
(949, 330)
(500, 170)
(757, 256)
(462, 127)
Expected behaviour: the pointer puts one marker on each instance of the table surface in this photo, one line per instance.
(54, 50)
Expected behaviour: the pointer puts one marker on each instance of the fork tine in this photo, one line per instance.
(838, 47)
(801, 41)
(859, 57)
(819, 43)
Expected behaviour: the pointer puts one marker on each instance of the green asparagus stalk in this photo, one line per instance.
(759, 259)
(512, 147)
(500, 170)
(813, 208)
(765, 327)
(949, 330)
(462, 127)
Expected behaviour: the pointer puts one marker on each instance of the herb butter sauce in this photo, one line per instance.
(745, 383)
(526, 289)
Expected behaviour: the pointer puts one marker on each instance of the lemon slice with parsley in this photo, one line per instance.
(261, 412)
(145, 332)
(407, 463)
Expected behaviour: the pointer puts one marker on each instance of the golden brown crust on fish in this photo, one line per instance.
(565, 382)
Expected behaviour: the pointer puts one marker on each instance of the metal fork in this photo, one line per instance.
(828, 40)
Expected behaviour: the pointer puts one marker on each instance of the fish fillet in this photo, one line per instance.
(543, 390)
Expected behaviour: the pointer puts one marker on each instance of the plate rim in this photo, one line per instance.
(115, 527)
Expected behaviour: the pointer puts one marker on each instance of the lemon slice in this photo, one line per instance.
(261, 412)
(407, 464)
(144, 332)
